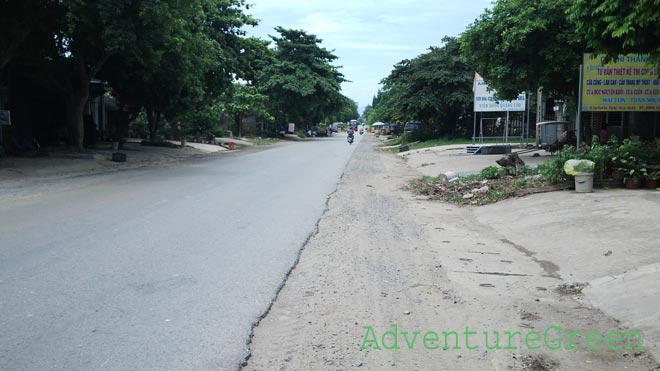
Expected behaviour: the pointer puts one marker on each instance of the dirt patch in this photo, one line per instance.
(574, 288)
(539, 363)
(475, 190)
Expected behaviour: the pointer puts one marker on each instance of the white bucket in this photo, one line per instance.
(584, 182)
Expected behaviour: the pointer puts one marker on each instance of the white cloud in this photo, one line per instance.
(369, 36)
(333, 23)
(372, 46)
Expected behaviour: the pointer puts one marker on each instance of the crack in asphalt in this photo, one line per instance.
(242, 364)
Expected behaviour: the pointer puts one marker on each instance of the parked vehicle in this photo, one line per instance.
(411, 126)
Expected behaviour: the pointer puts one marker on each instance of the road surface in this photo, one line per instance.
(160, 269)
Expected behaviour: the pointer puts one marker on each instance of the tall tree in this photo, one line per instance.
(434, 88)
(186, 59)
(302, 83)
(521, 45)
(70, 44)
(346, 110)
(618, 26)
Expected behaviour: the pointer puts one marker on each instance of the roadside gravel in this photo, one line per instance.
(383, 257)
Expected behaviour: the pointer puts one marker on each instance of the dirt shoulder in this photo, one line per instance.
(60, 170)
(383, 258)
(61, 164)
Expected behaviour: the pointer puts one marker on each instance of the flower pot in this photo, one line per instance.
(617, 174)
(651, 183)
(633, 183)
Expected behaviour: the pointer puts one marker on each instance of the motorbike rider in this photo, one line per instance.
(350, 132)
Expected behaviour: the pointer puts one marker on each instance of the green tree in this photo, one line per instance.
(434, 88)
(254, 56)
(345, 110)
(74, 42)
(185, 60)
(366, 112)
(19, 22)
(246, 100)
(618, 26)
(521, 45)
(302, 83)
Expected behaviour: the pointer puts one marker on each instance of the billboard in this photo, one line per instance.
(485, 101)
(625, 84)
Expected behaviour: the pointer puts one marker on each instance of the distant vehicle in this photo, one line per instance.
(353, 125)
(411, 126)
(396, 129)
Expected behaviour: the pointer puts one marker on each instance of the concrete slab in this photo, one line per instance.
(634, 298)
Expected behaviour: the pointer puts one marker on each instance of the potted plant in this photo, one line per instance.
(619, 163)
(634, 176)
(652, 178)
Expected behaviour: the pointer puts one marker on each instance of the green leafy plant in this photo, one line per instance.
(601, 155)
(553, 171)
(493, 172)
(653, 175)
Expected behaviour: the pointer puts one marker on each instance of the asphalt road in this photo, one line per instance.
(158, 269)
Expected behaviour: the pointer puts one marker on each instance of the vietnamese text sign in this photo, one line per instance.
(627, 84)
(485, 101)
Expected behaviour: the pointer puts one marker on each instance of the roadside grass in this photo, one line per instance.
(491, 185)
(393, 141)
(263, 141)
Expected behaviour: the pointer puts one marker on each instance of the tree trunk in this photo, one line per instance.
(153, 118)
(240, 125)
(75, 102)
(75, 106)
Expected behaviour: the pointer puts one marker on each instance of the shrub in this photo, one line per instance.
(553, 171)
(493, 172)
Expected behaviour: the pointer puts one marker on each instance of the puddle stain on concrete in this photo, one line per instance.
(549, 267)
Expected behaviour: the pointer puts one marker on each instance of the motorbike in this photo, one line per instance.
(350, 140)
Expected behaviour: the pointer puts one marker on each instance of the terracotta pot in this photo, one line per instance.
(651, 183)
(617, 174)
(633, 183)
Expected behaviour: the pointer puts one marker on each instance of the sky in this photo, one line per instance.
(368, 36)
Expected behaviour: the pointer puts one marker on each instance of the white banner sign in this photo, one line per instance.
(484, 100)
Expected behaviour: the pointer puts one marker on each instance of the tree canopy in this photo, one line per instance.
(434, 88)
(180, 63)
(302, 83)
(522, 45)
(618, 26)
